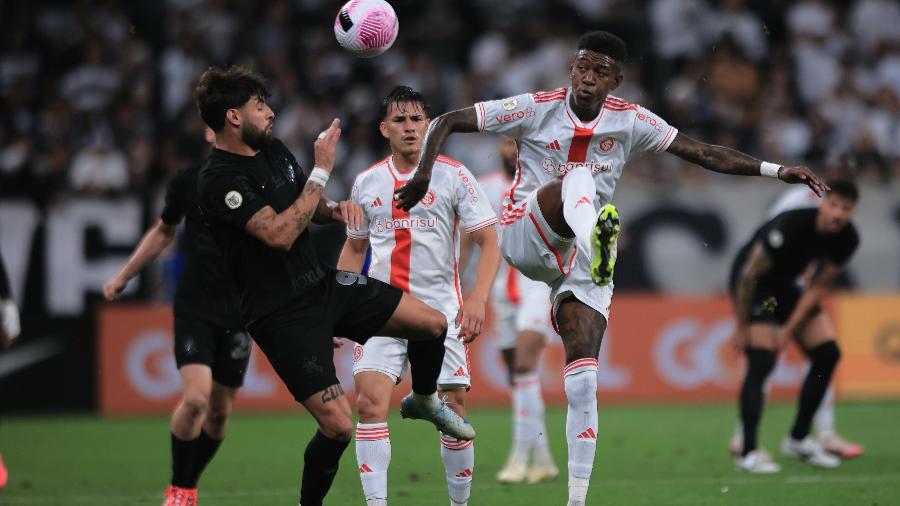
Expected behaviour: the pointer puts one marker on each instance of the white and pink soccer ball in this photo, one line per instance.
(366, 28)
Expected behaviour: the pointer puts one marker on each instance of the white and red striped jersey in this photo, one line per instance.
(418, 250)
(552, 140)
(798, 197)
(495, 186)
(505, 288)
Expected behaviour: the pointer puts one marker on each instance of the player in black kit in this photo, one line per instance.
(212, 348)
(771, 309)
(258, 204)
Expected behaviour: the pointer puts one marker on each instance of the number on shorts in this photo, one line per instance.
(348, 278)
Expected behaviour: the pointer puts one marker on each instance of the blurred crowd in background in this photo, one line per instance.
(97, 95)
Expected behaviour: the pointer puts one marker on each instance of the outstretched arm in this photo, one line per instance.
(730, 161)
(462, 120)
(153, 243)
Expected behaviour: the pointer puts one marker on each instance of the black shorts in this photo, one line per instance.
(225, 350)
(297, 339)
(771, 302)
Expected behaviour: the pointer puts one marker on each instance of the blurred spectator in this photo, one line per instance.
(99, 168)
(97, 94)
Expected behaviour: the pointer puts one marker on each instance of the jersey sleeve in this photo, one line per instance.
(229, 195)
(511, 116)
(362, 233)
(650, 132)
(777, 235)
(173, 211)
(844, 247)
(472, 205)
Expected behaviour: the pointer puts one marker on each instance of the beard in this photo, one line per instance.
(255, 138)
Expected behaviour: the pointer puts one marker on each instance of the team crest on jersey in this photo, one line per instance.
(510, 104)
(429, 199)
(233, 200)
(606, 145)
(357, 353)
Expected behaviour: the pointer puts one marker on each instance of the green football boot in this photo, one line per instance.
(604, 238)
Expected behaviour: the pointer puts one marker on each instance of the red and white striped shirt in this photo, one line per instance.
(418, 250)
(552, 140)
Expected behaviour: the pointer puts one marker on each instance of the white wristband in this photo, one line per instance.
(319, 176)
(768, 169)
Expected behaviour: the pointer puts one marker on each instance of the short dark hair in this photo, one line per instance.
(845, 188)
(604, 43)
(404, 94)
(220, 90)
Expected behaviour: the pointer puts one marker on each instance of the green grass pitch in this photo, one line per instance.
(655, 455)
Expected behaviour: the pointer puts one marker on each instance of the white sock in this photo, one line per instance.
(459, 463)
(581, 424)
(373, 456)
(525, 388)
(578, 191)
(823, 420)
(540, 452)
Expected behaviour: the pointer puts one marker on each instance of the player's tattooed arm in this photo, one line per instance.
(756, 265)
(730, 161)
(280, 230)
(324, 211)
(461, 120)
(331, 393)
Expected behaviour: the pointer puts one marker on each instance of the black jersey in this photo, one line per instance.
(792, 242)
(232, 189)
(205, 288)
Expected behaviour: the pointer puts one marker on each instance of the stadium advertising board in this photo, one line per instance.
(657, 349)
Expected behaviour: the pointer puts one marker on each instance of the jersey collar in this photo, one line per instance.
(590, 125)
(398, 176)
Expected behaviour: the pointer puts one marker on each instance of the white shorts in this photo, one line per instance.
(530, 245)
(387, 355)
(520, 304)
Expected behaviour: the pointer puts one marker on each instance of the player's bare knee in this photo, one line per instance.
(216, 420)
(337, 427)
(581, 329)
(371, 409)
(437, 325)
(195, 404)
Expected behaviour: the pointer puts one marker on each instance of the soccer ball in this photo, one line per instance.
(366, 28)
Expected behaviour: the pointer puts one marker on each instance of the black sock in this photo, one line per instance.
(320, 465)
(425, 361)
(205, 447)
(823, 359)
(760, 363)
(183, 462)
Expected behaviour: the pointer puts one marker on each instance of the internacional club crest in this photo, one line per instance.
(429, 199)
(606, 145)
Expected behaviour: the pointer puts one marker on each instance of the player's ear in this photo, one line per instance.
(382, 127)
(619, 78)
(233, 116)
